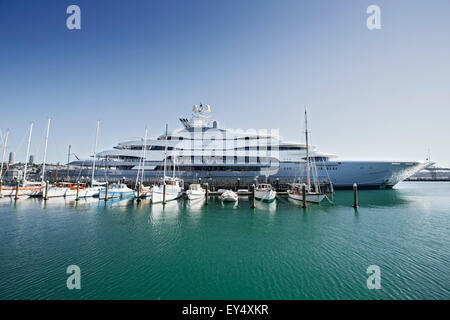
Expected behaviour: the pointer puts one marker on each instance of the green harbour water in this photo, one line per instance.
(189, 250)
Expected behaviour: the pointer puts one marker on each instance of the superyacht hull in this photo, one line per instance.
(343, 174)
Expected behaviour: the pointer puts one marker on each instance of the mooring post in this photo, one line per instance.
(355, 196)
(17, 191)
(304, 206)
(164, 194)
(106, 191)
(46, 190)
(78, 191)
(253, 197)
(277, 187)
(138, 198)
(206, 193)
(1, 181)
(238, 184)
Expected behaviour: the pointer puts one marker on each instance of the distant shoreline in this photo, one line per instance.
(427, 180)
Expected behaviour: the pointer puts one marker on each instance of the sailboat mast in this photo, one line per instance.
(308, 179)
(45, 153)
(173, 163)
(140, 173)
(4, 153)
(68, 161)
(165, 158)
(95, 153)
(27, 155)
(143, 156)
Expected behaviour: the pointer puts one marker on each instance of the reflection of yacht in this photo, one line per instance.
(196, 205)
(221, 156)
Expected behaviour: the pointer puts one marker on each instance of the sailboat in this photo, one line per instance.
(27, 188)
(57, 190)
(94, 189)
(141, 190)
(4, 143)
(170, 188)
(295, 191)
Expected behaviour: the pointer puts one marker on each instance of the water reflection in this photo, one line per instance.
(118, 202)
(270, 207)
(366, 198)
(167, 212)
(195, 205)
(372, 198)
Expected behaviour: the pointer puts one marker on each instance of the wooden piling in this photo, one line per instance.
(206, 193)
(106, 191)
(355, 196)
(78, 191)
(253, 197)
(164, 194)
(138, 199)
(46, 190)
(304, 206)
(17, 191)
(1, 181)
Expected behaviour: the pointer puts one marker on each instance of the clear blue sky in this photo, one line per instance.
(380, 94)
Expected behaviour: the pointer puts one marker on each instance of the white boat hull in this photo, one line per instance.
(265, 195)
(229, 196)
(310, 197)
(58, 192)
(113, 194)
(194, 194)
(90, 192)
(11, 192)
(172, 193)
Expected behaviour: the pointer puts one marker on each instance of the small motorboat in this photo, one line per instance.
(265, 192)
(195, 192)
(116, 191)
(229, 196)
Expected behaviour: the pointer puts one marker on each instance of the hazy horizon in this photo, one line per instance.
(371, 94)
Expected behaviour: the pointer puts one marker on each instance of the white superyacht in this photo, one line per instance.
(223, 157)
